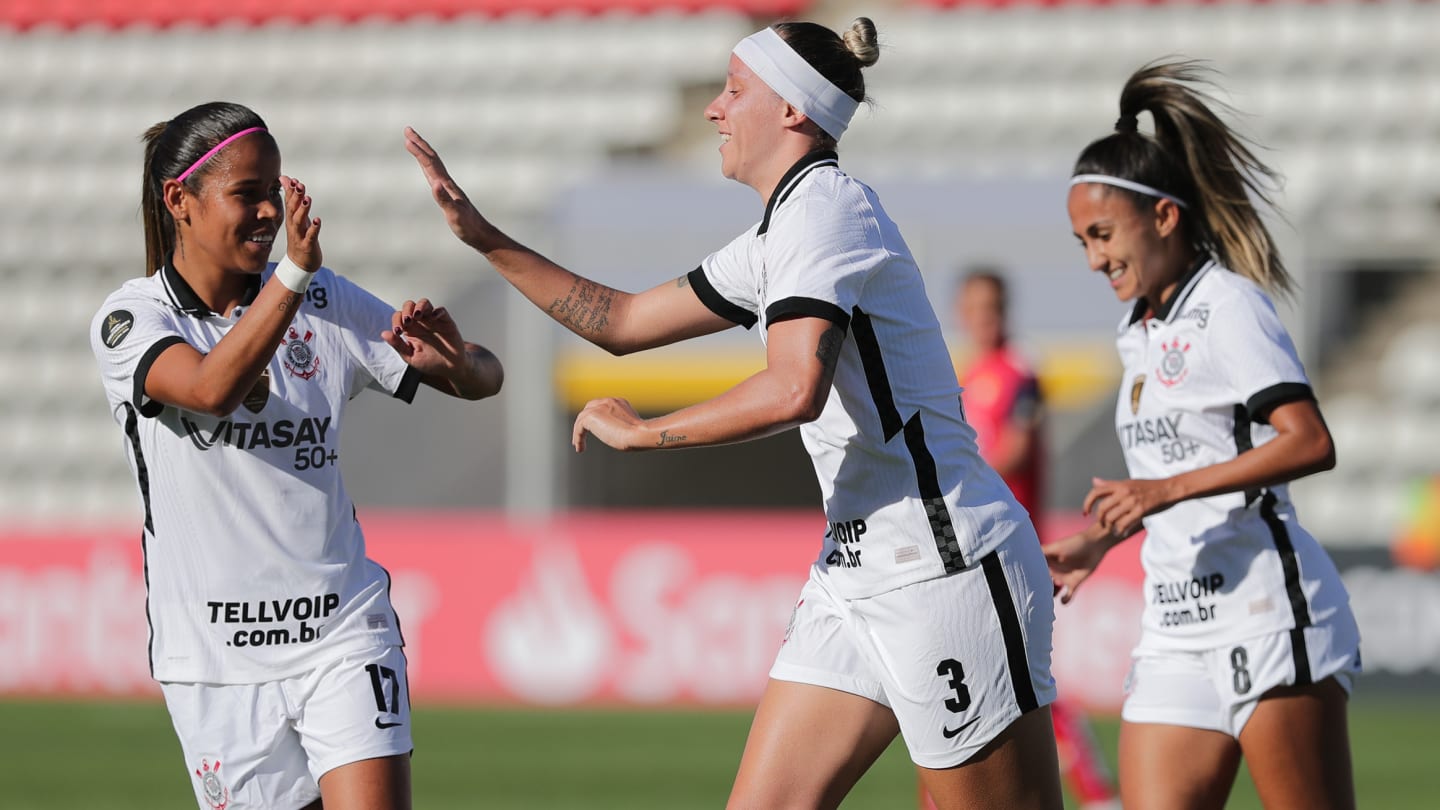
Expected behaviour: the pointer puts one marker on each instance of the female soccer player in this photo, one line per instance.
(929, 610)
(272, 635)
(1248, 645)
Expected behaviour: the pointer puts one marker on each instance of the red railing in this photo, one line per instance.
(25, 14)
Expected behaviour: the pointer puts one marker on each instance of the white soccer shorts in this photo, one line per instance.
(1218, 689)
(266, 745)
(957, 659)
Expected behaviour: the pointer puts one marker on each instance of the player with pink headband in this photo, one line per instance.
(928, 610)
(272, 634)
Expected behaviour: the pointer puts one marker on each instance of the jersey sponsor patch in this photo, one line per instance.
(1136, 387)
(254, 401)
(116, 327)
(300, 357)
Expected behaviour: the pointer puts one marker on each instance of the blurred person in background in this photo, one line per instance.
(272, 635)
(1002, 401)
(1248, 645)
(929, 610)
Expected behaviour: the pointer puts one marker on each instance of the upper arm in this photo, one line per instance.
(665, 314)
(803, 351)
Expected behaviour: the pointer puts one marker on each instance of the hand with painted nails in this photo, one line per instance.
(465, 220)
(302, 231)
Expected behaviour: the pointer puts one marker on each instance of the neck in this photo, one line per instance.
(791, 150)
(221, 290)
(1186, 260)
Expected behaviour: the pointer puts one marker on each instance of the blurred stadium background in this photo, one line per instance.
(630, 605)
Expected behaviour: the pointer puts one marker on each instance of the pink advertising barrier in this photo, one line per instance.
(623, 608)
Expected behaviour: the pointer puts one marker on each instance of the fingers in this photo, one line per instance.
(302, 232)
(577, 433)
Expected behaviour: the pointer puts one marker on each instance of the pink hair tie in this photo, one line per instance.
(197, 164)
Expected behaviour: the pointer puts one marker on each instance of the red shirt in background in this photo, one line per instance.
(1001, 389)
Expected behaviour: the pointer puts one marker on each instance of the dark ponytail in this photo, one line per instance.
(173, 146)
(1195, 156)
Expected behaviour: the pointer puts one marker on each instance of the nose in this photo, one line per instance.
(712, 110)
(1096, 257)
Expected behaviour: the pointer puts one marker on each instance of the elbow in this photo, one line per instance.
(804, 405)
(1325, 454)
(216, 404)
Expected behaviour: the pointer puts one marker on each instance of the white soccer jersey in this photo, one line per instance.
(906, 494)
(1201, 377)
(255, 565)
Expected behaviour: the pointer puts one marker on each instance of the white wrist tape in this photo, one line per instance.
(290, 274)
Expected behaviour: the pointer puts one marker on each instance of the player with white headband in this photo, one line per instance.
(928, 611)
(1248, 647)
(271, 632)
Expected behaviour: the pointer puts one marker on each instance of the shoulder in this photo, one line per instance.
(134, 296)
(1227, 294)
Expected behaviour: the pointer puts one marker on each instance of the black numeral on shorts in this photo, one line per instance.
(1241, 678)
(380, 679)
(951, 668)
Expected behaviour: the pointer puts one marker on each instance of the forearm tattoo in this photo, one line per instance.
(586, 308)
(828, 352)
(666, 437)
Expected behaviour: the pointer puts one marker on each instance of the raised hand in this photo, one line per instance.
(465, 220)
(302, 232)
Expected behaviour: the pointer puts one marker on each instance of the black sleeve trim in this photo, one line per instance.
(1260, 405)
(142, 370)
(797, 307)
(409, 384)
(719, 304)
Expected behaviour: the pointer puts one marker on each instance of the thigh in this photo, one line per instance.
(1017, 769)
(382, 783)
(1168, 767)
(240, 748)
(1176, 749)
(808, 745)
(1297, 745)
(356, 712)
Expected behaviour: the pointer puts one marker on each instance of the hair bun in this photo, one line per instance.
(862, 41)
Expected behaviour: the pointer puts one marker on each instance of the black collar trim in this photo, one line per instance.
(819, 157)
(183, 296)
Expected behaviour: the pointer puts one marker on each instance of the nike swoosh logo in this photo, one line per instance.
(948, 732)
(379, 724)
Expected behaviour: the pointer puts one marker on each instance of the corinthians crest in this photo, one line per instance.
(1172, 370)
(216, 795)
(300, 357)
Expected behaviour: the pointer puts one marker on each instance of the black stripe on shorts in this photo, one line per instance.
(1018, 661)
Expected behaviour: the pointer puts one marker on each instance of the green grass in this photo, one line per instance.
(98, 756)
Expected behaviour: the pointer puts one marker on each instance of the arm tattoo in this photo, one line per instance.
(828, 352)
(683, 281)
(585, 309)
(666, 437)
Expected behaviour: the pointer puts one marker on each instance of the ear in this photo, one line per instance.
(792, 118)
(177, 200)
(1167, 217)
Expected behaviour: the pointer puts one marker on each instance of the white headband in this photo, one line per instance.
(796, 81)
(1130, 185)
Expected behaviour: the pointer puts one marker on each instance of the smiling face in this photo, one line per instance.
(751, 120)
(229, 224)
(1141, 250)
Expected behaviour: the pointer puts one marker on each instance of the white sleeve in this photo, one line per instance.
(727, 281)
(361, 317)
(817, 262)
(126, 336)
(1255, 356)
